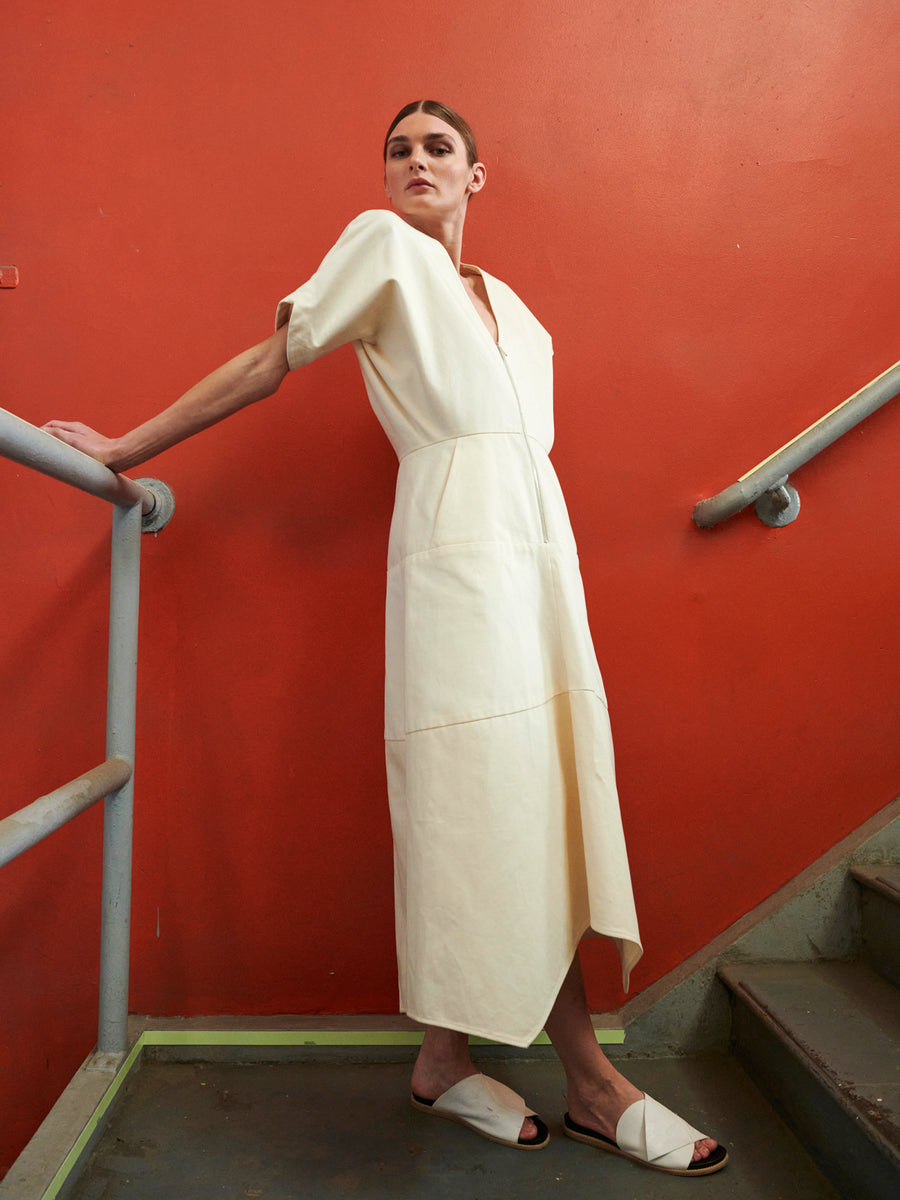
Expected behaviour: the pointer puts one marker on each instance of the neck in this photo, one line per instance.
(448, 232)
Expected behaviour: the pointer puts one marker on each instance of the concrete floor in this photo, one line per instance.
(323, 1131)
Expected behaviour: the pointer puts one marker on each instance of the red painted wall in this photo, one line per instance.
(698, 200)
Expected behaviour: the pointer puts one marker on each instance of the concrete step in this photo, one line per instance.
(880, 912)
(345, 1130)
(822, 1040)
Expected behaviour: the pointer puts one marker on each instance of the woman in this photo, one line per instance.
(508, 841)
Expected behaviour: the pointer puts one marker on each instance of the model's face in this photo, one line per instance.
(427, 172)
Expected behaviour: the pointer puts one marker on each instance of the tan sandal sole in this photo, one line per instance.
(602, 1143)
(427, 1108)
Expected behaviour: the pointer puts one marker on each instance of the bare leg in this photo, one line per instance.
(444, 1060)
(597, 1093)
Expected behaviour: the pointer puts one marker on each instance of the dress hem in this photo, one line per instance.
(524, 1041)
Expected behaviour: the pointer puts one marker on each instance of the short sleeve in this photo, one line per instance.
(346, 299)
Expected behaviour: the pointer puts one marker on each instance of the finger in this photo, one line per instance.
(62, 435)
(70, 437)
(66, 426)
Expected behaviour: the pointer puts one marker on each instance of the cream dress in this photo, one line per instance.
(508, 842)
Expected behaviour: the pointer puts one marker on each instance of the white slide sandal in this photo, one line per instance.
(489, 1108)
(650, 1134)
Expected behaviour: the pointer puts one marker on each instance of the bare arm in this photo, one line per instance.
(251, 376)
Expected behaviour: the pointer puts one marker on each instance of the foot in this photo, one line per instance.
(430, 1080)
(600, 1108)
(433, 1075)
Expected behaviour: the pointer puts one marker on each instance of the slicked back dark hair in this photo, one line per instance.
(434, 108)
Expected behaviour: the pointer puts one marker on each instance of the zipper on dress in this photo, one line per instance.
(534, 473)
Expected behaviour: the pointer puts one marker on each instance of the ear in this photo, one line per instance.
(479, 178)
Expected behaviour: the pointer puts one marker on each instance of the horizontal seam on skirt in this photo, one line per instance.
(514, 712)
(458, 437)
(495, 542)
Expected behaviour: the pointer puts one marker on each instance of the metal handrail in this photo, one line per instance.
(137, 504)
(777, 502)
(30, 825)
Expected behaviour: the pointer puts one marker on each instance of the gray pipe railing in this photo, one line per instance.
(137, 504)
(777, 502)
(30, 825)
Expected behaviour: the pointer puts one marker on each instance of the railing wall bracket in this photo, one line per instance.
(779, 505)
(161, 513)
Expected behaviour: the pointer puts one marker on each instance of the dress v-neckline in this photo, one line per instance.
(470, 267)
(495, 342)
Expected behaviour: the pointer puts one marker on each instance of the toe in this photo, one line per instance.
(704, 1149)
(528, 1132)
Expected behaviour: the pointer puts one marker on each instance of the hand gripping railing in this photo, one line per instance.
(776, 501)
(137, 504)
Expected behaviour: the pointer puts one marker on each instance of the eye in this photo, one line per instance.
(399, 152)
(440, 150)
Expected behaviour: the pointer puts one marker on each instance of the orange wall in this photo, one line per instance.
(699, 201)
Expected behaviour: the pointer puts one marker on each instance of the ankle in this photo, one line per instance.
(442, 1061)
(603, 1096)
(430, 1080)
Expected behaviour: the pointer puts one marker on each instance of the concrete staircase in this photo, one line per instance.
(822, 1041)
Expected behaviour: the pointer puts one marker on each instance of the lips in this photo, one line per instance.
(418, 183)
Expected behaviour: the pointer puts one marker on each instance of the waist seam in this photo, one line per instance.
(458, 437)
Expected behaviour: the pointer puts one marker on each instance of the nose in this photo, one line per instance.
(416, 162)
